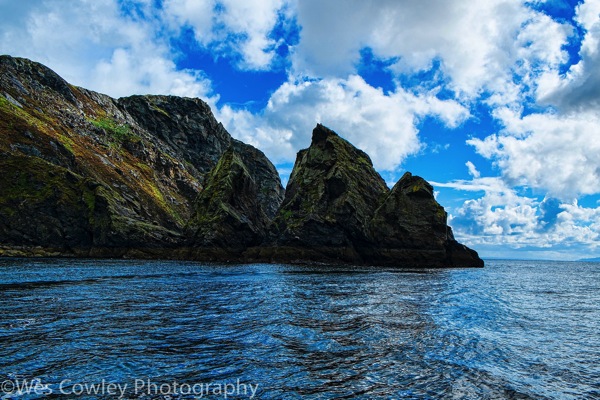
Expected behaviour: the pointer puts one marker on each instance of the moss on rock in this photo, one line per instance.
(330, 198)
(229, 211)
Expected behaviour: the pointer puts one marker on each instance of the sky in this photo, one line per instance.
(496, 102)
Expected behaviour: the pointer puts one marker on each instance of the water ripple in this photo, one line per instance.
(517, 330)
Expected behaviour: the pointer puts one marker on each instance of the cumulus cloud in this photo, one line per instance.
(92, 44)
(383, 125)
(504, 217)
(500, 212)
(230, 27)
(579, 88)
(479, 45)
(126, 73)
(578, 225)
(559, 154)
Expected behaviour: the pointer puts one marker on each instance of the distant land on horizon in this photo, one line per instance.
(597, 259)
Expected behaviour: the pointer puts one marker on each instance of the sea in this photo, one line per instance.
(87, 329)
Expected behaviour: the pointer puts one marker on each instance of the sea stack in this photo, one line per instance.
(337, 207)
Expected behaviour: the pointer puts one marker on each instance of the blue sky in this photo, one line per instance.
(497, 103)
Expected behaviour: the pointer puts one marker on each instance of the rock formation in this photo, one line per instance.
(87, 175)
(337, 207)
(235, 209)
(330, 199)
(410, 226)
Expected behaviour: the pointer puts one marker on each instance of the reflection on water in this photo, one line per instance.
(512, 330)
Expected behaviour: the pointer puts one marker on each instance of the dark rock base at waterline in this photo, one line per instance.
(286, 255)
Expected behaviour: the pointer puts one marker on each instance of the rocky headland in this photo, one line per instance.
(86, 175)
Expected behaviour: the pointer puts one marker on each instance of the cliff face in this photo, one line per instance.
(410, 226)
(235, 209)
(83, 174)
(186, 126)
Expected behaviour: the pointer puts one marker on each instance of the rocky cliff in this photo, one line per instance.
(86, 175)
(235, 209)
(337, 207)
(330, 199)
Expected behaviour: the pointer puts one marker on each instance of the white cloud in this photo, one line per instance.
(578, 224)
(559, 154)
(126, 73)
(230, 27)
(503, 217)
(479, 44)
(501, 212)
(579, 88)
(472, 169)
(382, 125)
(196, 14)
(91, 44)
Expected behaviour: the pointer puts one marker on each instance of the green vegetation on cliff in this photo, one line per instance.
(119, 133)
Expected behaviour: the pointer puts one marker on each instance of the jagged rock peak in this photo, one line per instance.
(412, 185)
(38, 72)
(410, 227)
(321, 133)
(330, 198)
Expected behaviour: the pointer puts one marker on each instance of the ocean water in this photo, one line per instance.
(152, 329)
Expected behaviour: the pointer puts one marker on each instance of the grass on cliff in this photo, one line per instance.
(29, 182)
(14, 121)
(120, 133)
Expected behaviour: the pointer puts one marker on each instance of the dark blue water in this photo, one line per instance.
(514, 329)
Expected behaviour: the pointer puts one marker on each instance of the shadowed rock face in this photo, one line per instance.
(236, 207)
(330, 199)
(186, 125)
(157, 176)
(410, 226)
